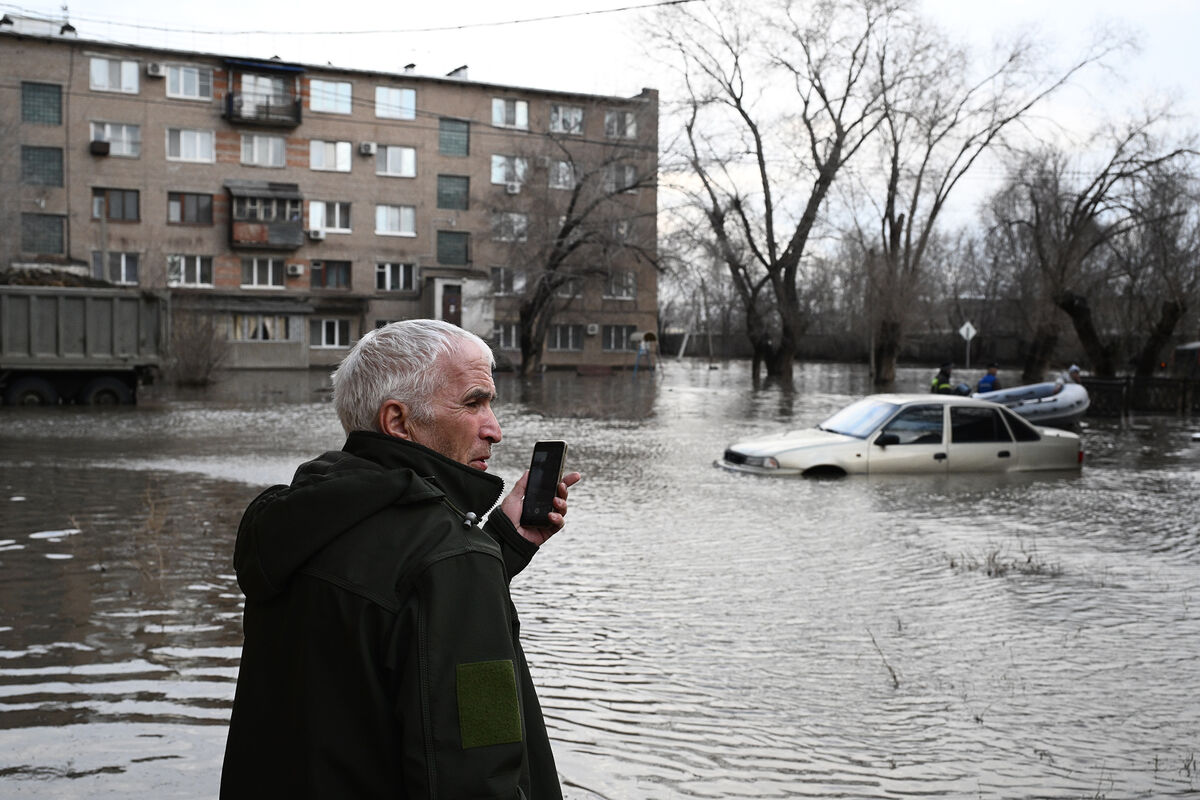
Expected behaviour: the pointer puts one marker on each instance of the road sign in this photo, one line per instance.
(967, 331)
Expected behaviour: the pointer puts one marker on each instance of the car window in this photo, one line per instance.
(917, 425)
(858, 419)
(970, 424)
(1022, 430)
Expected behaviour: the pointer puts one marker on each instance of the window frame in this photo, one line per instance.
(32, 165)
(107, 207)
(620, 284)
(620, 123)
(175, 74)
(506, 335)
(190, 263)
(33, 107)
(611, 333)
(508, 282)
(127, 69)
(273, 264)
(448, 243)
(321, 221)
(28, 234)
(259, 140)
(340, 328)
(210, 157)
(289, 321)
(575, 337)
(510, 226)
(401, 210)
(447, 137)
(520, 113)
(383, 108)
(343, 155)
(338, 101)
(123, 146)
(562, 175)
(122, 268)
(560, 112)
(406, 272)
(406, 154)
(463, 189)
(515, 169)
(183, 200)
(342, 273)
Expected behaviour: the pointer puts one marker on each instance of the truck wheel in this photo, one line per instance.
(106, 392)
(31, 391)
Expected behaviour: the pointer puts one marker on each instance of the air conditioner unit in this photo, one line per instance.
(316, 234)
(367, 148)
(155, 70)
(98, 148)
(512, 187)
(593, 328)
(295, 270)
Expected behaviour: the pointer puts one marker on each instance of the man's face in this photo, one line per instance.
(463, 427)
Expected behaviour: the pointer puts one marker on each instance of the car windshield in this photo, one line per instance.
(859, 419)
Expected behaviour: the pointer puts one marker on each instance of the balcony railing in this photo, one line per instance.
(258, 110)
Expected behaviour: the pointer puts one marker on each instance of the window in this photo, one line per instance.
(43, 233)
(507, 336)
(396, 220)
(334, 97)
(506, 280)
(453, 247)
(566, 119)
(266, 209)
(329, 215)
(509, 169)
(330, 275)
(400, 162)
(114, 75)
(329, 156)
(618, 337)
(262, 273)
(185, 208)
(392, 103)
(562, 175)
(120, 267)
(329, 333)
(454, 137)
(393, 277)
(917, 425)
(123, 140)
(620, 178)
(509, 226)
(977, 425)
(452, 191)
(622, 230)
(510, 113)
(41, 103)
(572, 286)
(263, 91)
(263, 328)
(189, 83)
(184, 270)
(620, 125)
(115, 204)
(184, 144)
(41, 166)
(622, 284)
(263, 151)
(564, 337)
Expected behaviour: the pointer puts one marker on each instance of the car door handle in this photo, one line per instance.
(939, 456)
(1004, 454)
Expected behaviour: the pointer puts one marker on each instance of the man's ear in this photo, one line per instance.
(394, 419)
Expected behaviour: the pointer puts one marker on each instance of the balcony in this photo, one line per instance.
(272, 112)
(265, 215)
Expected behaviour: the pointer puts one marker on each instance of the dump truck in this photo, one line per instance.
(78, 344)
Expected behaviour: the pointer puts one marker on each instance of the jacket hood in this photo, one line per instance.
(286, 525)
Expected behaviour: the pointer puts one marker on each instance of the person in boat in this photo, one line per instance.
(989, 382)
(941, 382)
(1072, 375)
(381, 654)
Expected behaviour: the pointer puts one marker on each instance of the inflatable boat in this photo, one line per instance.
(1058, 405)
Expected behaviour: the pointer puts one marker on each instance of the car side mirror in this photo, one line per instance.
(884, 439)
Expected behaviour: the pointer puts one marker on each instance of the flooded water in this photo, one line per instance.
(693, 633)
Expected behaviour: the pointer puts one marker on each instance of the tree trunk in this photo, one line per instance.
(1037, 360)
(1099, 353)
(1148, 359)
(886, 353)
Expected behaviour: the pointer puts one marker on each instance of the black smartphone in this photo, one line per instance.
(545, 473)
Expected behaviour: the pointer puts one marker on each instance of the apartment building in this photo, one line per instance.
(290, 207)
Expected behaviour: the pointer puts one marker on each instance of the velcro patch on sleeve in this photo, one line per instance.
(488, 711)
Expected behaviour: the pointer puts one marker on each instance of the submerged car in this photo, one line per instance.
(911, 433)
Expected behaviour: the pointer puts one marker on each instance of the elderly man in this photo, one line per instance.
(381, 656)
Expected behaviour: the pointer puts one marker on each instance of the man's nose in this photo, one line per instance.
(491, 428)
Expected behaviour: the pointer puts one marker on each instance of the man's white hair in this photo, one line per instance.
(396, 362)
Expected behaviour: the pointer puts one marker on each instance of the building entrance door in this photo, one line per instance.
(452, 304)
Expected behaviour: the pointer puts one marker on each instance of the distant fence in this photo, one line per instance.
(1118, 397)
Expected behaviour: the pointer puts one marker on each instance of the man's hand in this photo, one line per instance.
(511, 506)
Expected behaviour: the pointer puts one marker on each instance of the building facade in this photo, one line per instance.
(288, 208)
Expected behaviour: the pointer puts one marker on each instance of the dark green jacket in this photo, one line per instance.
(381, 654)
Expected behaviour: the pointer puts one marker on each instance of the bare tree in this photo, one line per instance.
(777, 101)
(939, 117)
(1069, 213)
(577, 216)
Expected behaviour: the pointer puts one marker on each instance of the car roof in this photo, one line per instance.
(929, 397)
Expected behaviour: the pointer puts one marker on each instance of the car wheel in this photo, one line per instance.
(31, 391)
(106, 392)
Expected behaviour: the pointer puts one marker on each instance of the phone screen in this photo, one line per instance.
(545, 473)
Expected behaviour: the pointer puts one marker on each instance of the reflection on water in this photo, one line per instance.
(695, 633)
